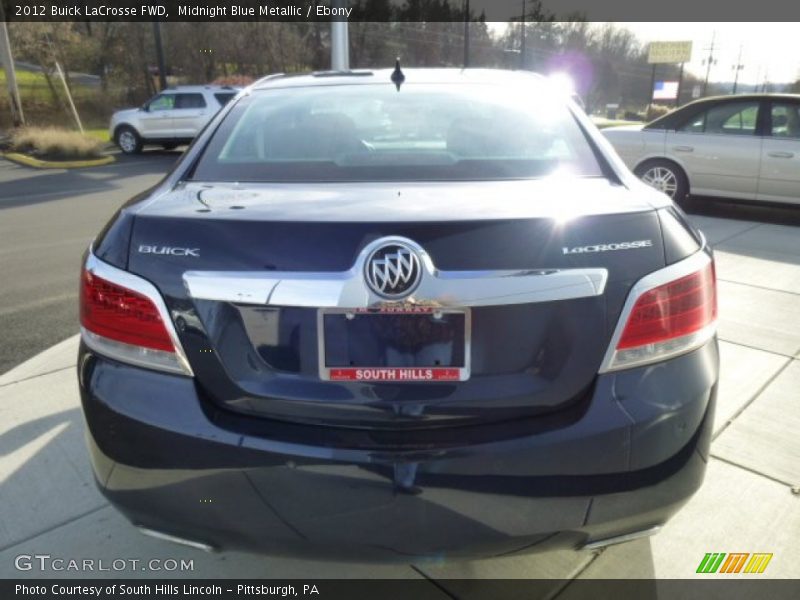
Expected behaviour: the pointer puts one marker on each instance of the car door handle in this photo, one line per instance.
(683, 148)
(781, 154)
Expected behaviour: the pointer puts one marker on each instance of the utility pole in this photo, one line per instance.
(466, 34)
(74, 110)
(162, 68)
(522, 50)
(340, 41)
(17, 117)
(737, 67)
(709, 61)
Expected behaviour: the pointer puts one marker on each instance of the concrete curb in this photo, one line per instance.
(29, 161)
(63, 355)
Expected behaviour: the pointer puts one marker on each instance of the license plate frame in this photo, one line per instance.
(382, 374)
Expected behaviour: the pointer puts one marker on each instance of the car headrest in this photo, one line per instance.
(322, 136)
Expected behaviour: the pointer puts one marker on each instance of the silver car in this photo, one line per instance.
(744, 147)
(171, 118)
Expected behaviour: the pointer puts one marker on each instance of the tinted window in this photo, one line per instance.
(373, 132)
(785, 120)
(162, 102)
(224, 97)
(190, 101)
(735, 118)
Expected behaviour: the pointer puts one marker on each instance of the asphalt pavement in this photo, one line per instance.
(47, 219)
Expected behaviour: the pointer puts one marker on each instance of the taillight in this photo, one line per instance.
(668, 319)
(123, 317)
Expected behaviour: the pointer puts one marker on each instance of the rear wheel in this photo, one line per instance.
(665, 176)
(128, 140)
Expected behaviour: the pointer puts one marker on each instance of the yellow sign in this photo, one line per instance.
(669, 52)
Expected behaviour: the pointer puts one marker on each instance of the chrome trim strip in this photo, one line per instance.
(687, 266)
(618, 539)
(133, 282)
(148, 358)
(661, 351)
(347, 289)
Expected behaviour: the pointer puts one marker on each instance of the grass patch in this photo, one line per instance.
(55, 143)
(99, 133)
(25, 77)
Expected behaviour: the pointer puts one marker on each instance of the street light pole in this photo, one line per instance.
(340, 41)
(466, 34)
(522, 60)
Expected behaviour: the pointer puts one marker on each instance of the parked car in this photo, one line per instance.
(381, 314)
(169, 119)
(745, 147)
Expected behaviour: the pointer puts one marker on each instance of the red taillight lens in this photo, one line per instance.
(122, 315)
(672, 310)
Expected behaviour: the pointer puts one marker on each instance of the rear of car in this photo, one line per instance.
(386, 321)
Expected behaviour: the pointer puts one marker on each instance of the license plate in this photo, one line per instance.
(394, 345)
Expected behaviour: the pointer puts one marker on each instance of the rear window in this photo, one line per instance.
(374, 132)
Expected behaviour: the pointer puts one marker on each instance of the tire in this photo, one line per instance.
(169, 146)
(665, 176)
(128, 140)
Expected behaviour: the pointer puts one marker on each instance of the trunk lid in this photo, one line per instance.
(526, 358)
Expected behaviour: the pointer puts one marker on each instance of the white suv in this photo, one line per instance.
(169, 119)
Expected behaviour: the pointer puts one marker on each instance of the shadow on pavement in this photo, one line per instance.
(24, 433)
(24, 186)
(775, 214)
(766, 235)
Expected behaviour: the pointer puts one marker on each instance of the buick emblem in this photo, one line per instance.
(393, 270)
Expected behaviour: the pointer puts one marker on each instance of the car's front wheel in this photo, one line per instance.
(128, 140)
(665, 176)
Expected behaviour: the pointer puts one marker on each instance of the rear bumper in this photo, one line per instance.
(172, 462)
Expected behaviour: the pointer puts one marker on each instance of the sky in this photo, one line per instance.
(769, 50)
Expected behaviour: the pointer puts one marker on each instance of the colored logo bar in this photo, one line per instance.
(734, 562)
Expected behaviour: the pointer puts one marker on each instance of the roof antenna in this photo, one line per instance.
(397, 76)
